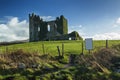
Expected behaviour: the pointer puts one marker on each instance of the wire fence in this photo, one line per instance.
(51, 47)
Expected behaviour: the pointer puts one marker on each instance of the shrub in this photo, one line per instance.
(20, 78)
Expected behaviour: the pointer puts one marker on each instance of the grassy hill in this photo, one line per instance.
(46, 65)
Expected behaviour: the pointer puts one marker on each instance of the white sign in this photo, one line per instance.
(88, 43)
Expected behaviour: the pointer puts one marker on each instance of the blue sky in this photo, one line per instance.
(99, 19)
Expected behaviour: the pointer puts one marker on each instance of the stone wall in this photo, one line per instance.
(38, 29)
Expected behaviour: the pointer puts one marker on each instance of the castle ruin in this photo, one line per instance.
(40, 30)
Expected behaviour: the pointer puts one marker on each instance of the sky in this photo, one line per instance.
(97, 19)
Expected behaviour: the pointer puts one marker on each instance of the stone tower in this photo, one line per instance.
(39, 30)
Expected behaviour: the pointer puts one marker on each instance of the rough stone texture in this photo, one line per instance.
(57, 30)
(21, 66)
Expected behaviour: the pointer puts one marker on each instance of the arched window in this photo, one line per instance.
(48, 27)
(70, 38)
(38, 28)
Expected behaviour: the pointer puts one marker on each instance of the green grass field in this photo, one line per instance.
(50, 47)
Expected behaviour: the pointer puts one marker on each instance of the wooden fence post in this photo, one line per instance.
(62, 50)
(58, 48)
(106, 43)
(82, 47)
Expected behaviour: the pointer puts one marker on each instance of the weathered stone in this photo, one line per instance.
(21, 66)
(40, 30)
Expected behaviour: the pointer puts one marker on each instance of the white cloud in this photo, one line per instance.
(109, 36)
(117, 23)
(13, 22)
(47, 18)
(113, 34)
(14, 29)
(5, 19)
(78, 28)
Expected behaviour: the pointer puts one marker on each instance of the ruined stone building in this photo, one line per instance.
(40, 30)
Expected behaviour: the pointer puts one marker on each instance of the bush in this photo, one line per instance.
(20, 78)
(115, 76)
(43, 78)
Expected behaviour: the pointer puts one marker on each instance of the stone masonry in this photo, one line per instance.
(40, 30)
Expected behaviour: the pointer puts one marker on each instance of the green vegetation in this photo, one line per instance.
(76, 35)
(47, 65)
(51, 46)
